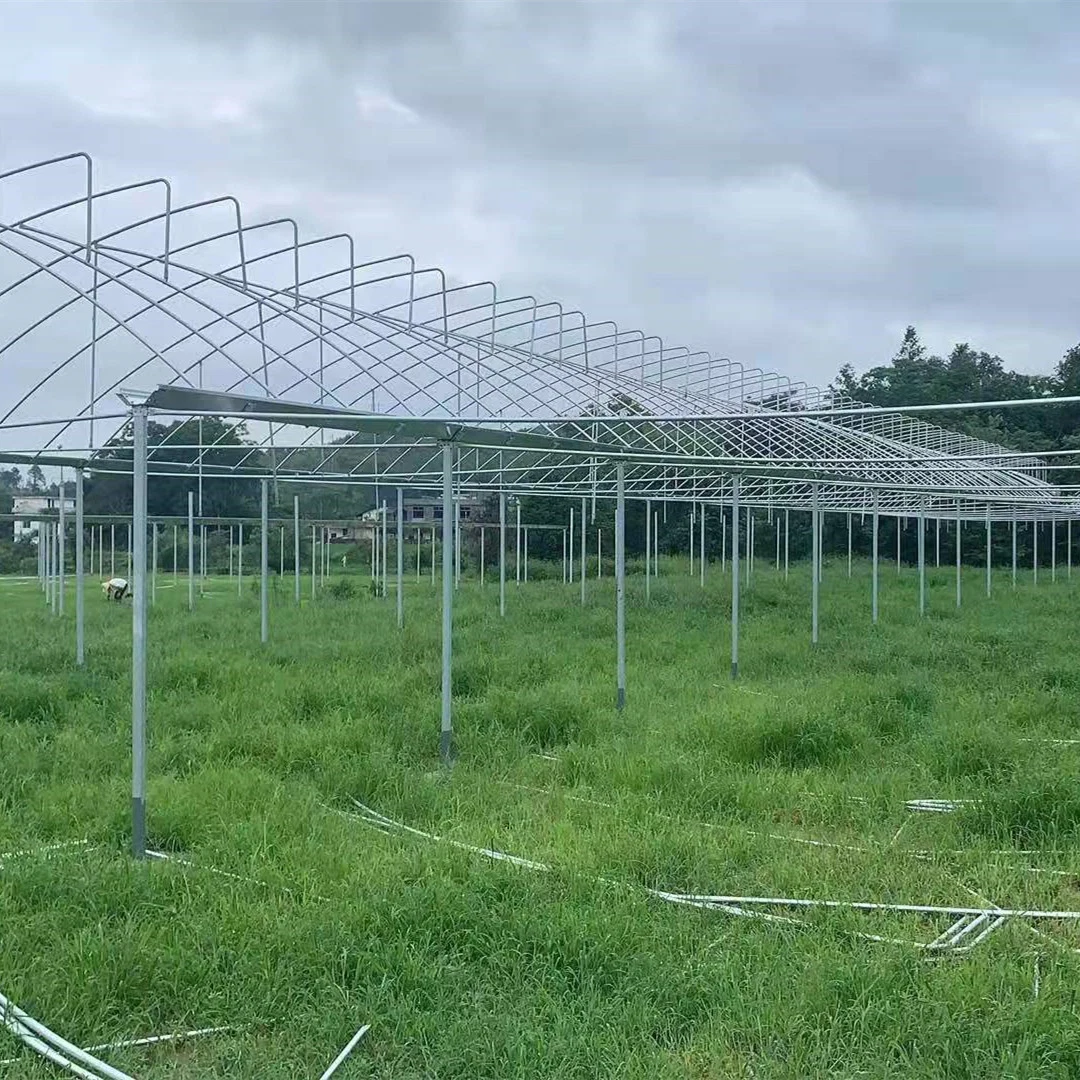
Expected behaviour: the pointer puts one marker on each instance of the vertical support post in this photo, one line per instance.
(959, 547)
(296, 549)
(61, 540)
(138, 638)
(281, 553)
(457, 542)
(240, 560)
(849, 544)
(525, 563)
(571, 578)
(446, 728)
(191, 550)
(899, 525)
(385, 545)
(418, 546)
(750, 545)
(821, 545)
(314, 572)
(874, 564)
(922, 559)
(502, 552)
(690, 545)
(735, 576)
(375, 548)
(91, 549)
(656, 545)
(264, 560)
(988, 555)
(620, 585)
(153, 564)
(778, 543)
(175, 541)
(562, 558)
(400, 559)
(787, 542)
(517, 542)
(80, 580)
(723, 541)
(599, 554)
(1053, 550)
(50, 565)
(583, 553)
(1068, 547)
(701, 543)
(433, 546)
(937, 541)
(112, 551)
(815, 575)
(1014, 551)
(1035, 552)
(648, 549)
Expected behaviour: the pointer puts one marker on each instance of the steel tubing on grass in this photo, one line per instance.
(31, 1032)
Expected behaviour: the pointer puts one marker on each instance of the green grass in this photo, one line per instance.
(471, 968)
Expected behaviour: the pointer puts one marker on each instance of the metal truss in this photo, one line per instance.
(104, 289)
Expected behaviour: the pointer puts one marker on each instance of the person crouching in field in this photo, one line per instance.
(115, 589)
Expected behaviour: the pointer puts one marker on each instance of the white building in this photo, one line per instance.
(31, 507)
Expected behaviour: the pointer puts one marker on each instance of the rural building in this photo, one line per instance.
(28, 509)
(424, 510)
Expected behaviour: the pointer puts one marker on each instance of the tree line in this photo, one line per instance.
(911, 376)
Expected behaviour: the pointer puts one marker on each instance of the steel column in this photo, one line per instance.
(446, 728)
(620, 584)
(138, 637)
(191, 550)
(874, 564)
(296, 549)
(61, 541)
(80, 578)
(264, 559)
(959, 546)
(735, 576)
(400, 559)
(922, 560)
(502, 552)
(814, 575)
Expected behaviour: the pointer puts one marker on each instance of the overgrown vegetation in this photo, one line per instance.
(471, 968)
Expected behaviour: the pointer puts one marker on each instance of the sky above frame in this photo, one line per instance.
(787, 184)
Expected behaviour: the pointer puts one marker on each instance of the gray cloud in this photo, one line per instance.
(789, 184)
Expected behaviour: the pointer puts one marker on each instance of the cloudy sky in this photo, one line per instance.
(787, 184)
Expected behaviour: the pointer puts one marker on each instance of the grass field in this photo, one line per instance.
(467, 966)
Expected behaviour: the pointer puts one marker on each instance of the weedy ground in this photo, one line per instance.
(468, 967)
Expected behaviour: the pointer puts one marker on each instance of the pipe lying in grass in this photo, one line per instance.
(47, 1052)
(966, 920)
(47, 849)
(49, 1045)
(147, 1040)
(866, 905)
(938, 806)
(163, 856)
(348, 1049)
(924, 854)
(694, 821)
(385, 823)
